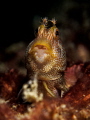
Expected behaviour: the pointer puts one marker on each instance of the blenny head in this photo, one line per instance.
(47, 37)
(48, 29)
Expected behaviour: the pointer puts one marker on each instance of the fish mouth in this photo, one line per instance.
(40, 47)
(40, 53)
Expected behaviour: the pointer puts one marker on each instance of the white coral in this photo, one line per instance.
(30, 91)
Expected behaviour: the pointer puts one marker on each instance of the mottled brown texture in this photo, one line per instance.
(6, 113)
(75, 105)
(10, 85)
(46, 59)
(79, 94)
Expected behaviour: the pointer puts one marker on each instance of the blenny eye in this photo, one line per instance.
(57, 32)
(49, 24)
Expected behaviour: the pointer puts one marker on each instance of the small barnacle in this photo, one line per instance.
(2, 101)
(63, 106)
(74, 117)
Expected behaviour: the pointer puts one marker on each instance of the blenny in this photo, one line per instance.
(46, 59)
